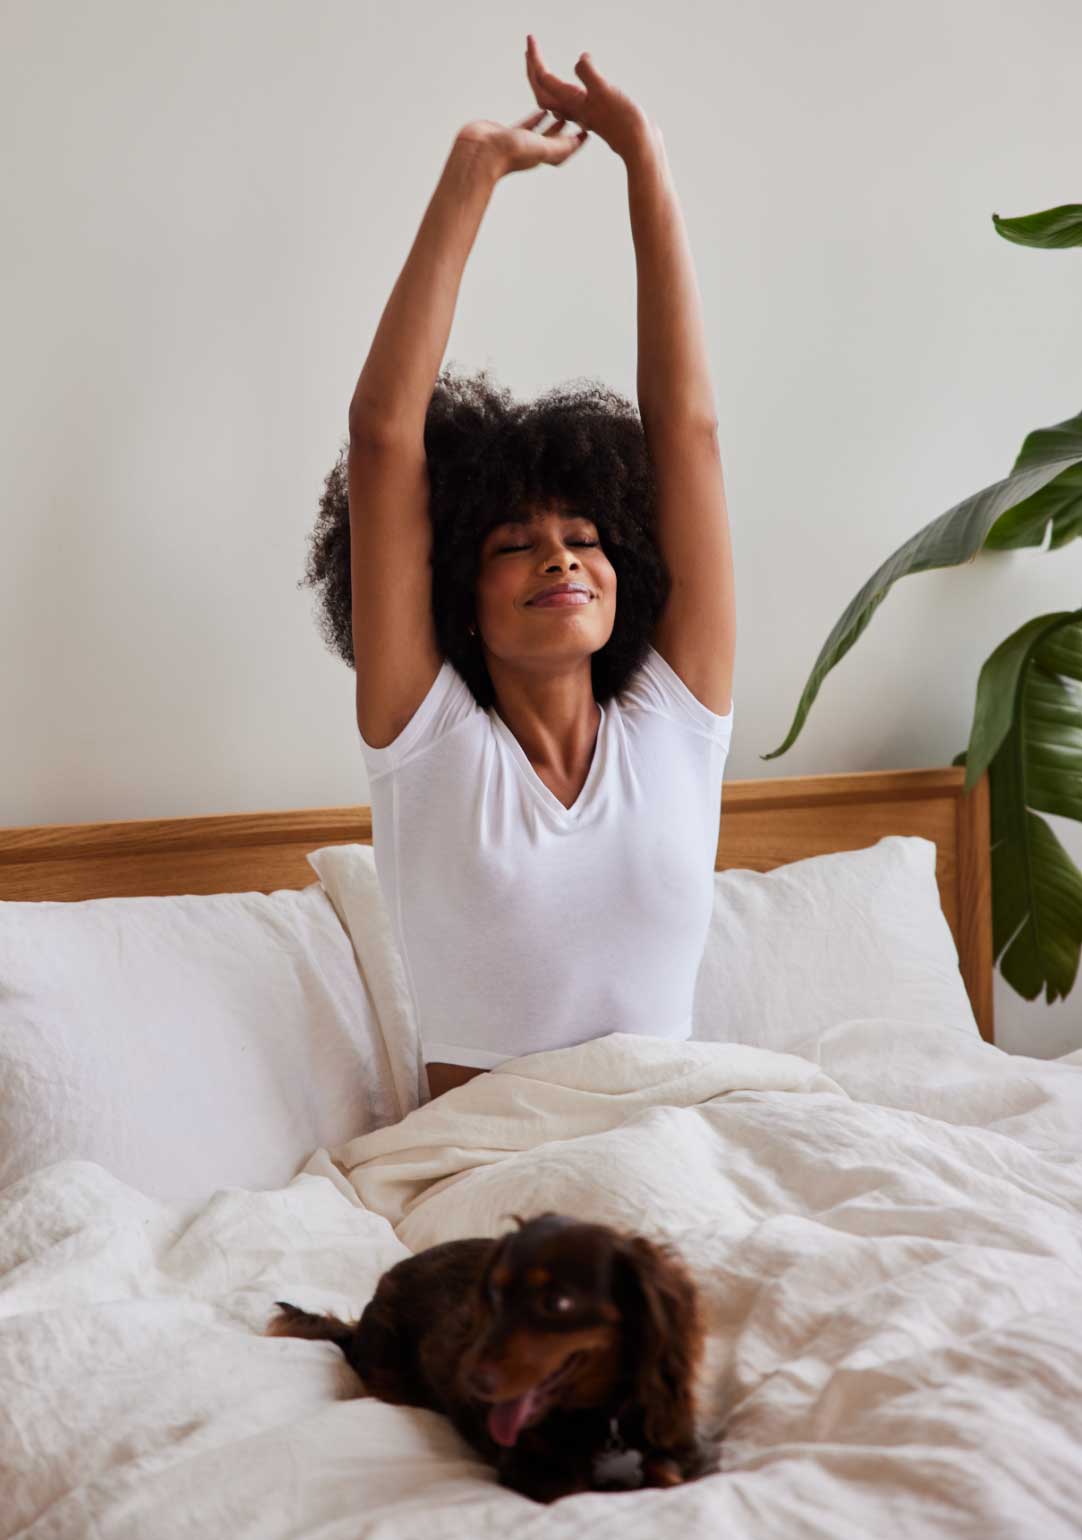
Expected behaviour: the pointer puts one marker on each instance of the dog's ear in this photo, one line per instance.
(548, 1216)
(660, 1307)
(497, 1254)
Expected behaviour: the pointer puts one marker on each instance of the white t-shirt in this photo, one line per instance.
(524, 925)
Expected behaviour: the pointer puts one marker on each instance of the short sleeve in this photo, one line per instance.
(449, 702)
(656, 686)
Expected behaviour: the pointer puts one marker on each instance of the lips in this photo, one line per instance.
(563, 593)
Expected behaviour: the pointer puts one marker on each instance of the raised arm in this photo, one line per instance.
(395, 385)
(395, 650)
(696, 633)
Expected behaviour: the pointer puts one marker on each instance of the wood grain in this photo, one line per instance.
(764, 824)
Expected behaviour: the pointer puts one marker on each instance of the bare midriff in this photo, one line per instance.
(444, 1077)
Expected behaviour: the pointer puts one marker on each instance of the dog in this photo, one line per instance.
(547, 1348)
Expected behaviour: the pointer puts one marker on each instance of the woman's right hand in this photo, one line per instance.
(519, 146)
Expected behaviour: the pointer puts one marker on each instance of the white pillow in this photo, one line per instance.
(813, 942)
(349, 876)
(185, 1043)
(789, 952)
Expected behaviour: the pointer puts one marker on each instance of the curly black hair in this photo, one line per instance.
(491, 459)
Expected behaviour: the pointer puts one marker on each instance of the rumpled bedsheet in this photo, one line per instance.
(886, 1231)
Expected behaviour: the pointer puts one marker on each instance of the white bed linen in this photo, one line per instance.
(191, 1040)
(887, 1234)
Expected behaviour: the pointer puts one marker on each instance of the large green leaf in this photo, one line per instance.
(1060, 502)
(1027, 733)
(1050, 229)
(1047, 455)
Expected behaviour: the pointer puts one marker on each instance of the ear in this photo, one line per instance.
(496, 1255)
(496, 1251)
(660, 1306)
(548, 1214)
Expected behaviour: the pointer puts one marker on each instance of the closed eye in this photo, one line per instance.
(504, 548)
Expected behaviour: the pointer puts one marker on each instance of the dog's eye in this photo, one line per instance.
(557, 1302)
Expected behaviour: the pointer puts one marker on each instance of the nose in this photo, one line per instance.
(484, 1379)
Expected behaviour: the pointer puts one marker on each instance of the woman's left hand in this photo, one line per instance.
(596, 105)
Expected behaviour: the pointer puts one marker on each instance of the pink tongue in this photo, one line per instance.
(506, 1418)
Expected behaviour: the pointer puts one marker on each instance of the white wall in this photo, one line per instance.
(206, 206)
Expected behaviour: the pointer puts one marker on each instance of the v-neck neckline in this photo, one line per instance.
(544, 793)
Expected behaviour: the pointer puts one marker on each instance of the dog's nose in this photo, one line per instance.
(484, 1379)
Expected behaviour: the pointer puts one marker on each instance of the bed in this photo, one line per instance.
(212, 1100)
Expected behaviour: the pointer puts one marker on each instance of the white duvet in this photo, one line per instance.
(886, 1231)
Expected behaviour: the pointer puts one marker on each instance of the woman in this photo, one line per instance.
(545, 768)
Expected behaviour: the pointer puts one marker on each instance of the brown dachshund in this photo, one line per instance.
(546, 1348)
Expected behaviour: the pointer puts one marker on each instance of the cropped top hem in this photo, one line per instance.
(480, 1058)
(468, 1058)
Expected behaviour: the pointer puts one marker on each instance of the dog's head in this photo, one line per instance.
(578, 1315)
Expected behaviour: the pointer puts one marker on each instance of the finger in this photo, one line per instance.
(558, 141)
(575, 145)
(568, 144)
(563, 101)
(544, 96)
(533, 120)
(532, 71)
(547, 81)
(584, 69)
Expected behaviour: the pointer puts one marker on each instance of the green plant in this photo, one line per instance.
(1027, 720)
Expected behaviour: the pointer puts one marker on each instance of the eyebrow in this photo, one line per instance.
(535, 518)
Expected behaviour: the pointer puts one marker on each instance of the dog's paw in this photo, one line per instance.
(658, 1471)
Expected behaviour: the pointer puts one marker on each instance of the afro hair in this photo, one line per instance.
(490, 460)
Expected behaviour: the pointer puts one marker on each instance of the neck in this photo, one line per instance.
(553, 715)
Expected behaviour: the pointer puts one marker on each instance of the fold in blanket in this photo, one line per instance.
(608, 1123)
(886, 1234)
(563, 1094)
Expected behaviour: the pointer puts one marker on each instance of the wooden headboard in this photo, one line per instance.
(764, 824)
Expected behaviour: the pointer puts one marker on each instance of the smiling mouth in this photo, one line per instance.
(507, 1418)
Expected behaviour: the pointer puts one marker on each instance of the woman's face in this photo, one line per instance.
(518, 561)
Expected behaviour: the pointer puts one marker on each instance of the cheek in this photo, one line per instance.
(498, 586)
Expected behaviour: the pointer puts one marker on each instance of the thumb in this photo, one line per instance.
(584, 69)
